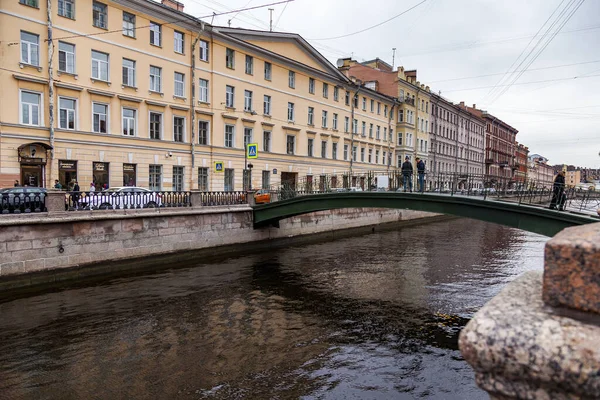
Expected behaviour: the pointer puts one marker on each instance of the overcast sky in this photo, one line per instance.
(449, 39)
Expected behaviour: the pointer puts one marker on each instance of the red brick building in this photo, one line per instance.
(522, 153)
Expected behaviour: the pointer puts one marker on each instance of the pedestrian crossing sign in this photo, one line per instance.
(252, 150)
(218, 166)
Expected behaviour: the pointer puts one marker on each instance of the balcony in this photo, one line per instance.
(408, 100)
(489, 160)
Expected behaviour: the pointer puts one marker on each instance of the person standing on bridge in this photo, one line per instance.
(407, 171)
(421, 174)
(558, 192)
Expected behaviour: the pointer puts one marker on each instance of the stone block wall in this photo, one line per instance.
(32, 243)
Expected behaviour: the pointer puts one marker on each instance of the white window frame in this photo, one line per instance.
(334, 123)
(130, 72)
(287, 151)
(310, 147)
(207, 122)
(155, 34)
(204, 50)
(203, 91)
(101, 63)
(178, 42)
(248, 100)
(67, 12)
(311, 116)
(267, 148)
(32, 48)
(323, 148)
(324, 118)
(232, 136)
(154, 78)
(268, 71)
(67, 53)
(179, 84)
(250, 136)
(336, 93)
(162, 124)
(267, 104)
(102, 22)
(183, 133)
(40, 105)
(135, 121)
(249, 65)
(75, 113)
(291, 112)
(311, 85)
(128, 26)
(229, 58)
(229, 96)
(325, 90)
(107, 116)
(292, 79)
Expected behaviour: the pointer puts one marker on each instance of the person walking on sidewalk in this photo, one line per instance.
(558, 192)
(421, 174)
(407, 171)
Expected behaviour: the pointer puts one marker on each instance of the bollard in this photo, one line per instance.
(55, 201)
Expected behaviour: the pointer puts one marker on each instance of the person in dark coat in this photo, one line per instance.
(558, 192)
(421, 174)
(75, 195)
(407, 171)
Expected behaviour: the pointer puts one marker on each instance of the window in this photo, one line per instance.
(362, 154)
(291, 112)
(355, 126)
(268, 69)
(290, 144)
(155, 178)
(311, 115)
(30, 48)
(334, 151)
(309, 151)
(266, 179)
(323, 149)
(128, 72)
(267, 141)
(247, 137)
(30, 108)
(324, 119)
(371, 131)
(178, 42)
(203, 92)
(203, 50)
(400, 115)
(155, 125)
(372, 105)
(155, 34)
(229, 180)
(334, 123)
(346, 124)
(31, 3)
(325, 90)
(249, 65)
(128, 24)
(155, 79)
(66, 57)
(355, 100)
(383, 158)
(99, 15)
(178, 178)
(376, 156)
(292, 79)
(378, 133)
(346, 152)
(203, 132)
(178, 129)
(347, 98)
(364, 104)
(370, 160)
(203, 179)
(229, 96)
(385, 110)
(179, 84)
(99, 117)
(267, 105)
(230, 58)
(384, 133)
(311, 86)
(129, 122)
(229, 135)
(354, 153)
(336, 93)
(247, 100)
(67, 109)
(66, 8)
(378, 108)
(363, 129)
(99, 66)
(400, 138)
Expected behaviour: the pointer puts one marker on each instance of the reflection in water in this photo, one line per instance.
(375, 316)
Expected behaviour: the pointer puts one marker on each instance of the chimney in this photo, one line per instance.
(474, 105)
(175, 5)
(462, 103)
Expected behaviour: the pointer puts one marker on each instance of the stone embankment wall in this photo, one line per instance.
(48, 242)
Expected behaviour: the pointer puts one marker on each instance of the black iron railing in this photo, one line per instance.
(109, 200)
(22, 203)
(223, 198)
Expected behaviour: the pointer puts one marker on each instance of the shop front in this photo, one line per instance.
(32, 159)
(67, 173)
(100, 175)
(129, 175)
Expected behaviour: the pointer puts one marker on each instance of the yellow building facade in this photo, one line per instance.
(142, 94)
(572, 178)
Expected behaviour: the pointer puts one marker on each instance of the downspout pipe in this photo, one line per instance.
(389, 160)
(193, 182)
(50, 91)
(352, 133)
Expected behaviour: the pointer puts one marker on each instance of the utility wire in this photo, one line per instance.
(523, 83)
(374, 26)
(276, 23)
(249, 8)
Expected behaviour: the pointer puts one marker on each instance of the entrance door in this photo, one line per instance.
(32, 175)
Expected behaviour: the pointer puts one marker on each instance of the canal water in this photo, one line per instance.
(368, 317)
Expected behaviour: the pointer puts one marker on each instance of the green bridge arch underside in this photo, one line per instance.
(529, 218)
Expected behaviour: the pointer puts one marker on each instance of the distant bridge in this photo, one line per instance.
(526, 217)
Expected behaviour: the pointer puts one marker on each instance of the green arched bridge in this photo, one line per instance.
(526, 217)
